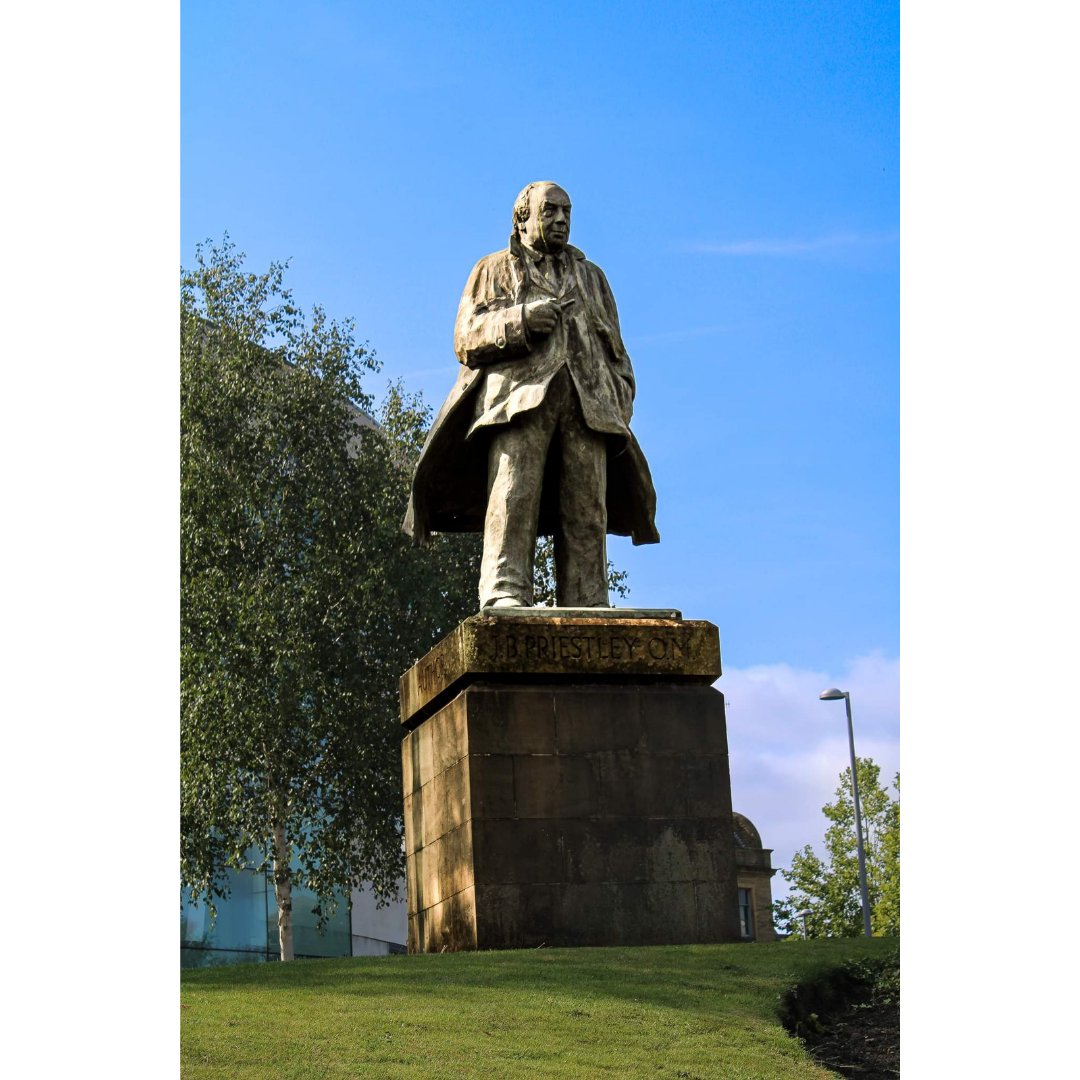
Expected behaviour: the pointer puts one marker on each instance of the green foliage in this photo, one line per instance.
(885, 916)
(806, 1008)
(544, 575)
(301, 600)
(663, 1011)
(442, 576)
(827, 890)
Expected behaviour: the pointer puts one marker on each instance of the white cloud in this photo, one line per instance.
(821, 245)
(788, 748)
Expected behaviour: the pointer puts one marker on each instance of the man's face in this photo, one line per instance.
(548, 225)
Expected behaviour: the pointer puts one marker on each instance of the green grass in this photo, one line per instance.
(666, 1012)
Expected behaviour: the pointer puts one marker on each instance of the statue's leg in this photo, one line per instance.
(515, 476)
(581, 542)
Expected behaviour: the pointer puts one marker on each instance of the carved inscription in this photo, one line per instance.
(432, 674)
(553, 646)
(586, 649)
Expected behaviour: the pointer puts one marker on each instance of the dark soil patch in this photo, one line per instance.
(862, 1042)
(849, 1019)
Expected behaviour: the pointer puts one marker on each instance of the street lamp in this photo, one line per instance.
(835, 695)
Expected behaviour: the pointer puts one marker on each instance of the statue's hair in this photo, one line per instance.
(521, 203)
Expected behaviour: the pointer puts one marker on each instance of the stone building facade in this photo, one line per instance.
(754, 874)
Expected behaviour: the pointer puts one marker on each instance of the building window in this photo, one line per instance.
(746, 924)
(246, 925)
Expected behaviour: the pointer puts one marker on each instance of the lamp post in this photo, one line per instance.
(835, 695)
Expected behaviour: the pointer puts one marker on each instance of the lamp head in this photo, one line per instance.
(832, 695)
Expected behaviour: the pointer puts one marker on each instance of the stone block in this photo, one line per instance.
(491, 785)
(670, 855)
(717, 919)
(511, 721)
(410, 748)
(516, 916)
(545, 808)
(708, 787)
(463, 919)
(683, 720)
(578, 793)
(449, 743)
(415, 900)
(436, 816)
(412, 881)
(626, 843)
(555, 786)
(456, 860)
(446, 926)
(425, 767)
(591, 719)
(583, 913)
(643, 785)
(670, 911)
(428, 867)
(710, 857)
(574, 646)
(516, 852)
(413, 821)
(457, 783)
(582, 850)
(536, 778)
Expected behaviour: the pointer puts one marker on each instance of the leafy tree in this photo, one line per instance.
(301, 600)
(825, 900)
(885, 916)
(443, 575)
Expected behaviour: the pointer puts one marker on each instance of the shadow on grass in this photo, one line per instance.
(696, 979)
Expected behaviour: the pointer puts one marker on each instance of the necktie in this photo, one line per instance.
(556, 271)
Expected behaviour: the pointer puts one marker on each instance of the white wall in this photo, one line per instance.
(374, 928)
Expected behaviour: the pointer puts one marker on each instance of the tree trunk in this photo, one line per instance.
(283, 890)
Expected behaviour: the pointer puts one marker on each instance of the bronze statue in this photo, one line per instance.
(534, 437)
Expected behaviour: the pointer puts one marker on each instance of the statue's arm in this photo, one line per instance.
(490, 324)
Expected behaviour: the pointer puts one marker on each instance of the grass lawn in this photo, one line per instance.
(668, 1011)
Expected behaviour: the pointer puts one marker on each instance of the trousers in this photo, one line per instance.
(517, 457)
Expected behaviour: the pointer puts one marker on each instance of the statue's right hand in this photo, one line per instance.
(541, 316)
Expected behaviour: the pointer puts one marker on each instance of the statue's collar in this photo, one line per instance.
(523, 250)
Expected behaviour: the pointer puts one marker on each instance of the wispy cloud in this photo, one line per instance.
(834, 243)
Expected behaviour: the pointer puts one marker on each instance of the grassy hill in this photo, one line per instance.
(664, 1012)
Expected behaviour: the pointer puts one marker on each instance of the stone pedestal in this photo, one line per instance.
(566, 783)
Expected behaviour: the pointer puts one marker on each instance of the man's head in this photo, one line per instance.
(542, 216)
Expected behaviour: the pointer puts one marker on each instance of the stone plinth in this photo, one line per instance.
(566, 783)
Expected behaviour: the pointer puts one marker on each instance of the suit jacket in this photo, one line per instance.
(505, 371)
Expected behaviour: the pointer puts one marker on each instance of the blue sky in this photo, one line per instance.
(357, 147)
(734, 169)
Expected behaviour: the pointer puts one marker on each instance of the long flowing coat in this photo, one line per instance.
(504, 372)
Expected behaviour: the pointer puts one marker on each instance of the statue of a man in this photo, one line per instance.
(534, 437)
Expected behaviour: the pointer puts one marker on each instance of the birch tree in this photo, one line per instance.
(301, 600)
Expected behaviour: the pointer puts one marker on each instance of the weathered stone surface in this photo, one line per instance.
(573, 814)
(754, 873)
(579, 645)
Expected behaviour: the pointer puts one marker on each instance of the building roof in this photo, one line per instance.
(746, 836)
